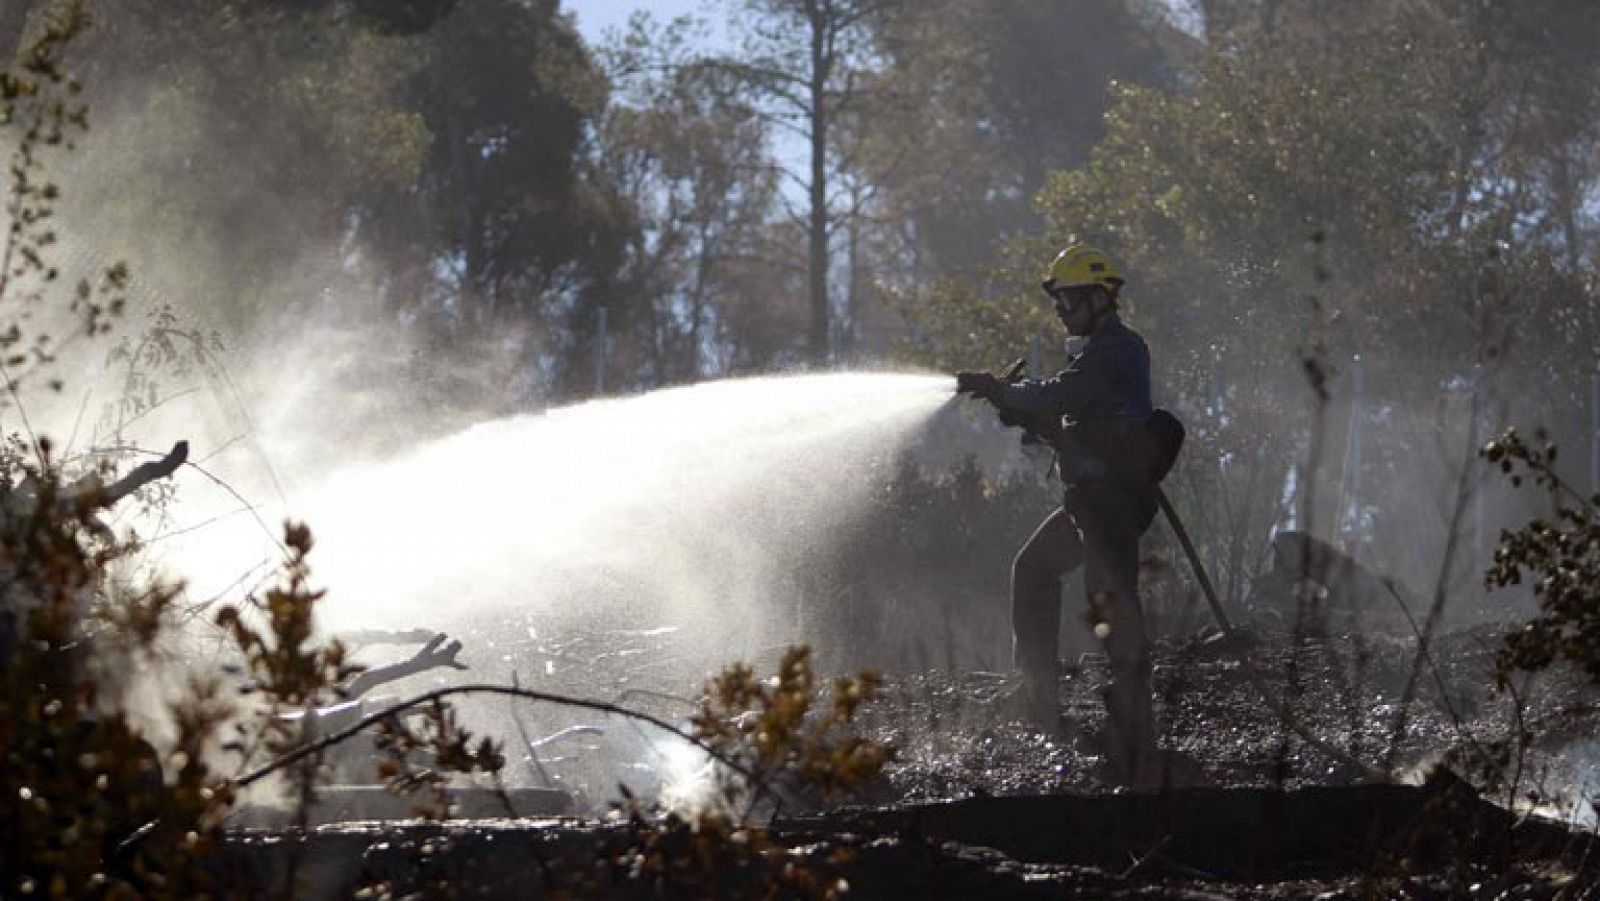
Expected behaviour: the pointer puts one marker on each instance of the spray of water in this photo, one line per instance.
(690, 507)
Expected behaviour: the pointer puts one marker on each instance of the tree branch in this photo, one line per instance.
(103, 497)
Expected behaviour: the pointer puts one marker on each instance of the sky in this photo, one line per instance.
(595, 16)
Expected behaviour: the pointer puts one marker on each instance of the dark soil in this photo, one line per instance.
(981, 805)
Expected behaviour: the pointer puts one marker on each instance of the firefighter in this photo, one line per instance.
(1094, 413)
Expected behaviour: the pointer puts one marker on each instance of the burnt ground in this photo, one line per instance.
(956, 738)
(980, 805)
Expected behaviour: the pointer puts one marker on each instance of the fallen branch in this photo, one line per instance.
(526, 694)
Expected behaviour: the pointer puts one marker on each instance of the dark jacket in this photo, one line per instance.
(1097, 406)
(1109, 379)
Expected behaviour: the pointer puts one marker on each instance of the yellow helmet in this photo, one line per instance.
(1081, 264)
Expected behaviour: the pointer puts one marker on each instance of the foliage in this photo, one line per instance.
(770, 728)
(691, 159)
(781, 742)
(1003, 94)
(920, 580)
(467, 175)
(441, 737)
(507, 95)
(423, 171)
(1558, 556)
(282, 665)
(42, 110)
(903, 139)
(801, 64)
(89, 806)
(78, 779)
(216, 112)
(163, 345)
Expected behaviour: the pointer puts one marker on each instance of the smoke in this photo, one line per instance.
(224, 162)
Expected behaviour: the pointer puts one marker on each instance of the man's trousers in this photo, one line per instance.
(1097, 527)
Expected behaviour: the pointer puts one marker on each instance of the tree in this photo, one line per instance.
(417, 171)
(804, 61)
(691, 162)
(925, 128)
(1005, 93)
(964, 112)
(1328, 182)
(255, 133)
(504, 231)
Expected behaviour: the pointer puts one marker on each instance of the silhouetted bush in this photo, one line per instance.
(921, 580)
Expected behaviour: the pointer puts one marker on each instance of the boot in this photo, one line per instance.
(1042, 705)
(1035, 702)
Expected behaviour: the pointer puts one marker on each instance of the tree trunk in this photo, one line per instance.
(471, 229)
(1568, 197)
(850, 324)
(817, 344)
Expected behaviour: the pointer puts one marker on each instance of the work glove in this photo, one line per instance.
(978, 384)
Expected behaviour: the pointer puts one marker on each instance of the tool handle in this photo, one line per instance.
(1194, 561)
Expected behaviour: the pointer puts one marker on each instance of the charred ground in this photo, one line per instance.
(979, 804)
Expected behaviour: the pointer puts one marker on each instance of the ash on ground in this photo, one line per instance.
(980, 804)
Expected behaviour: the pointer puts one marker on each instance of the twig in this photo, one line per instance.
(1441, 593)
(1518, 708)
(76, 423)
(22, 411)
(193, 610)
(250, 429)
(195, 527)
(527, 740)
(1438, 677)
(657, 695)
(156, 406)
(221, 448)
(219, 483)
